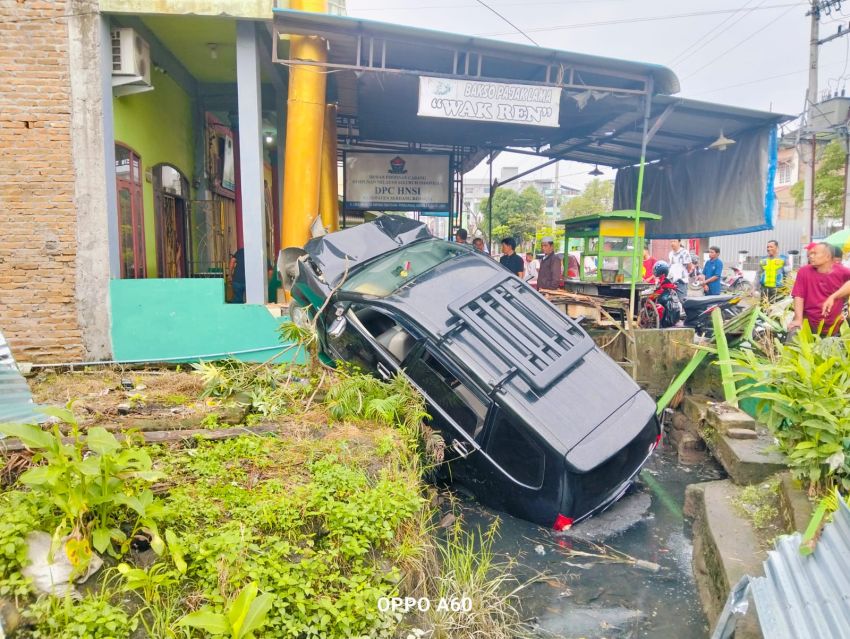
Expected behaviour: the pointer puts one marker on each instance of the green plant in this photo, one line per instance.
(94, 617)
(158, 589)
(759, 504)
(802, 397)
(485, 588)
(245, 615)
(267, 389)
(89, 489)
(20, 513)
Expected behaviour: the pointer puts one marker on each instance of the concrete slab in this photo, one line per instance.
(725, 549)
(747, 461)
(741, 433)
(722, 417)
(696, 407)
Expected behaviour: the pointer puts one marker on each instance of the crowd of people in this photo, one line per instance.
(820, 290)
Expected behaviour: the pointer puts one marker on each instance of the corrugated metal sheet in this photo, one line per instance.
(16, 403)
(799, 597)
(789, 234)
(807, 597)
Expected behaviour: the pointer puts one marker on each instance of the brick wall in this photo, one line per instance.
(38, 314)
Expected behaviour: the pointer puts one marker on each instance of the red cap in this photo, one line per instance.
(810, 246)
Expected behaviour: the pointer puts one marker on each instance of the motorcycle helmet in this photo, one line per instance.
(661, 268)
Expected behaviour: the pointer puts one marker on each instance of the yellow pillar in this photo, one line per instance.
(304, 129)
(328, 197)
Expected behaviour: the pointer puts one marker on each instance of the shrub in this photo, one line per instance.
(802, 397)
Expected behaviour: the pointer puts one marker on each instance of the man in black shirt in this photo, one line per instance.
(510, 260)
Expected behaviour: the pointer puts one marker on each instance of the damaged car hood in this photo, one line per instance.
(337, 253)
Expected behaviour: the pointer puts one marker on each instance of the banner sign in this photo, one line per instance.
(489, 101)
(397, 181)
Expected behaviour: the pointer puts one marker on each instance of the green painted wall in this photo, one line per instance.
(158, 125)
(183, 319)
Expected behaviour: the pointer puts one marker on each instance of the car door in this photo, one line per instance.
(353, 345)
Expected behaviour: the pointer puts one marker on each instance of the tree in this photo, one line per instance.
(829, 183)
(516, 215)
(598, 197)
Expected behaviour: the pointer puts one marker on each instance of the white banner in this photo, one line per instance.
(489, 101)
(397, 181)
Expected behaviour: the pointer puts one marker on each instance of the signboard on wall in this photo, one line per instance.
(489, 101)
(397, 181)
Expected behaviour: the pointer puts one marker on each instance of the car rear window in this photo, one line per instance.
(387, 274)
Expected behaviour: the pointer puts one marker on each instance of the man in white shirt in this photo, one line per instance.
(679, 259)
(532, 266)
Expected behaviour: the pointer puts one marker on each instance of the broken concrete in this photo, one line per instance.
(747, 461)
(723, 417)
(682, 434)
(696, 407)
(725, 549)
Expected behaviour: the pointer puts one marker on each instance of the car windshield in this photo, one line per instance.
(387, 274)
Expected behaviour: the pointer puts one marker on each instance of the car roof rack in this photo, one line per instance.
(518, 326)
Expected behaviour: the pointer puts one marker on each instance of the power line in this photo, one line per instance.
(520, 31)
(738, 44)
(712, 34)
(469, 6)
(673, 16)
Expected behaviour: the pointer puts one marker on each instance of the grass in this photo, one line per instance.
(327, 515)
(759, 504)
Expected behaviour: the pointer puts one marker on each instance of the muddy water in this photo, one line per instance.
(584, 597)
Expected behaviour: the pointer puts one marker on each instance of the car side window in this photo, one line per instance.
(394, 339)
(515, 451)
(456, 398)
(353, 347)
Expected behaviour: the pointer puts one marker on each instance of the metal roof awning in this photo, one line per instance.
(377, 66)
(683, 125)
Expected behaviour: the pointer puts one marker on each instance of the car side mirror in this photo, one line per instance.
(337, 327)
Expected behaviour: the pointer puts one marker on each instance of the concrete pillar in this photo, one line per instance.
(93, 149)
(251, 161)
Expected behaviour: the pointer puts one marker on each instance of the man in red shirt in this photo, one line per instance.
(819, 284)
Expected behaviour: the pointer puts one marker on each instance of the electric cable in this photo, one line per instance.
(671, 16)
(713, 34)
(739, 43)
(520, 31)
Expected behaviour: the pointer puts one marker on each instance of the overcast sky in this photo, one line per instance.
(748, 53)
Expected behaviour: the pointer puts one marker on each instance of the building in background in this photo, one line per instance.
(475, 190)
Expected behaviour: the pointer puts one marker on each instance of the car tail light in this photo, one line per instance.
(562, 523)
(657, 441)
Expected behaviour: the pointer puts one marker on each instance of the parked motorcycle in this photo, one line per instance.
(660, 308)
(698, 311)
(735, 282)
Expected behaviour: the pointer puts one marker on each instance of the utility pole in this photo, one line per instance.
(811, 101)
(818, 7)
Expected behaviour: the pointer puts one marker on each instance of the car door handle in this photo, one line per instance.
(382, 371)
(460, 448)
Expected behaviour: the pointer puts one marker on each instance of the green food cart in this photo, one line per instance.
(609, 239)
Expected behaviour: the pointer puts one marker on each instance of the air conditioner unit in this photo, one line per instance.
(131, 63)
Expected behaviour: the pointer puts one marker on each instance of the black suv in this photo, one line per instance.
(539, 421)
